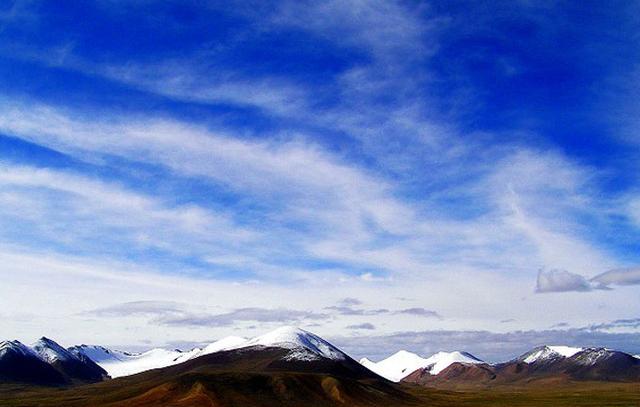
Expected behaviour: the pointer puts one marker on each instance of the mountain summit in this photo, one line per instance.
(19, 363)
(303, 345)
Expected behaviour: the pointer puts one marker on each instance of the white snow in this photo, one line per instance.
(636, 356)
(228, 343)
(442, 360)
(303, 344)
(128, 364)
(401, 364)
(592, 356)
(566, 351)
(397, 366)
(118, 363)
(17, 346)
(50, 351)
(100, 354)
(551, 352)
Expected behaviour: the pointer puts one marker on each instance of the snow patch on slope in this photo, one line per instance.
(100, 354)
(228, 343)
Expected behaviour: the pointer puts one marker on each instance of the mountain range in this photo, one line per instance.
(46, 363)
(288, 364)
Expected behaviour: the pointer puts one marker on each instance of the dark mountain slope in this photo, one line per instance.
(20, 364)
(73, 367)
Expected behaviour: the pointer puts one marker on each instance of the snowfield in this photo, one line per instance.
(401, 364)
(118, 363)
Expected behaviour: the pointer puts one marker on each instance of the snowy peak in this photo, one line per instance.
(548, 353)
(403, 363)
(396, 366)
(594, 356)
(50, 351)
(442, 360)
(304, 345)
(15, 347)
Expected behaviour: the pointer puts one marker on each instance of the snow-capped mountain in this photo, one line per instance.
(560, 363)
(70, 365)
(548, 353)
(403, 363)
(98, 354)
(15, 347)
(118, 363)
(19, 363)
(50, 351)
(303, 345)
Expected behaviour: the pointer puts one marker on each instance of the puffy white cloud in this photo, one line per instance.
(561, 281)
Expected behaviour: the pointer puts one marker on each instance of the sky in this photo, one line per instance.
(390, 175)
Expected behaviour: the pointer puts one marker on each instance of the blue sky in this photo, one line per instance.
(203, 168)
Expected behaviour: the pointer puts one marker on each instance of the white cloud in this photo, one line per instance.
(561, 281)
(621, 276)
(83, 212)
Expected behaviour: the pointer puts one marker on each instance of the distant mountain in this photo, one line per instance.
(72, 367)
(545, 363)
(302, 345)
(403, 363)
(19, 363)
(544, 354)
(119, 363)
(295, 345)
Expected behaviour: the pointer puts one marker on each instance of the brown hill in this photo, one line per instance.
(592, 364)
